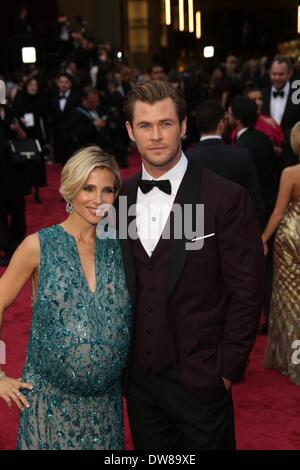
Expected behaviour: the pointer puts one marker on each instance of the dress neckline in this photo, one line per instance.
(79, 259)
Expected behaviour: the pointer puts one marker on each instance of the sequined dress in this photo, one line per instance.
(284, 323)
(77, 349)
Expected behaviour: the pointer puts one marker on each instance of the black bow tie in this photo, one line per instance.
(163, 185)
(63, 97)
(278, 93)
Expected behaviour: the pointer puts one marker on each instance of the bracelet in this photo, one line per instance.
(2, 375)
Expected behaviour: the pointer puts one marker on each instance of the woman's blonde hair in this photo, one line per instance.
(295, 138)
(77, 170)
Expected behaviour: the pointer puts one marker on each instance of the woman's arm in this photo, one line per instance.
(23, 263)
(283, 198)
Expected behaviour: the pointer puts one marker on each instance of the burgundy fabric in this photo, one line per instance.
(152, 348)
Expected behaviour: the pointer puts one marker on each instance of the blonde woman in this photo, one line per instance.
(284, 323)
(70, 391)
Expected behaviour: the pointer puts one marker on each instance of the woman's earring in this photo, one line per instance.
(70, 209)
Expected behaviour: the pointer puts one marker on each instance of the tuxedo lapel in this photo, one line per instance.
(188, 193)
(267, 102)
(126, 245)
(288, 111)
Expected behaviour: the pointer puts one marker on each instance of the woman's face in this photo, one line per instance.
(32, 87)
(257, 97)
(91, 201)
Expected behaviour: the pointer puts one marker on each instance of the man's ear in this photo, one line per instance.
(129, 130)
(183, 128)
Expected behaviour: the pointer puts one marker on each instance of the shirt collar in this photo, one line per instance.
(285, 89)
(175, 175)
(206, 137)
(241, 132)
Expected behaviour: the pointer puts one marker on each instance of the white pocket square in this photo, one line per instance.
(202, 238)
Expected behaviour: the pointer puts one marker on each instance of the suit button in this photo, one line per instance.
(148, 331)
(151, 266)
(150, 289)
(148, 353)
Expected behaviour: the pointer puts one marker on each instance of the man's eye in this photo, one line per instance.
(166, 124)
(144, 126)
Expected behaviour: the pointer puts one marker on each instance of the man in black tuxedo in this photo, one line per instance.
(197, 300)
(232, 163)
(278, 103)
(242, 117)
(88, 124)
(63, 101)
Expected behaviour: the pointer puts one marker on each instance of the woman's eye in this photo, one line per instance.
(109, 190)
(87, 188)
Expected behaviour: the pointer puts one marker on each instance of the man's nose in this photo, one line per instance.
(156, 134)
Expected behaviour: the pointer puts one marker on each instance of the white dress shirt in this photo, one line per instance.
(278, 104)
(63, 101)
(153, 208)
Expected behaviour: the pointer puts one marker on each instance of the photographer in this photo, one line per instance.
(88, 124)
(14, 185)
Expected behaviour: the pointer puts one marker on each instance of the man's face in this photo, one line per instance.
(64, 84)
(279, 74)
(157, 132)
(157, 73)
(92, 101)
(256, 96)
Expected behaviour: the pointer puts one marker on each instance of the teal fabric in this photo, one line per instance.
(77, 349)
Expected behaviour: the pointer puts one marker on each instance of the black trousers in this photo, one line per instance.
(12, 222)
(164, 415)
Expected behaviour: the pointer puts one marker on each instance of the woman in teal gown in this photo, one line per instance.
(81, 323)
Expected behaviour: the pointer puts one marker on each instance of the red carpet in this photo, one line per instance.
(267, 405)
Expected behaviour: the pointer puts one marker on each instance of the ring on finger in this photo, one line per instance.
(18, 394)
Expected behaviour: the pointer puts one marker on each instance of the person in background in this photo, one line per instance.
(278, 103)
(242, 115)
(14, 186)
(264, 123)
(29, 108)
(284, 322)
(63, 101)
(230, 162)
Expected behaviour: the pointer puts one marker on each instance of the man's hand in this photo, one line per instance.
(99, 124)
(227, 384)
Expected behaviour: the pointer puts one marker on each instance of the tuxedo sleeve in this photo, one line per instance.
(243, 268)
(252, 185)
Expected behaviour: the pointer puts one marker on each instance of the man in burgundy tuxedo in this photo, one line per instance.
(197, 307)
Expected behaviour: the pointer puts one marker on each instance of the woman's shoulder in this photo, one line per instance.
(29, 249)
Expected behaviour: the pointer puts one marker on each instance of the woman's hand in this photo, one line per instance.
(10, 391)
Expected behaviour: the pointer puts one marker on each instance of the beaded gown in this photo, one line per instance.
(77, 349)
(284, 323)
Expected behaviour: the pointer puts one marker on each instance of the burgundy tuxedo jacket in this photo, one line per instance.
(213, 295)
